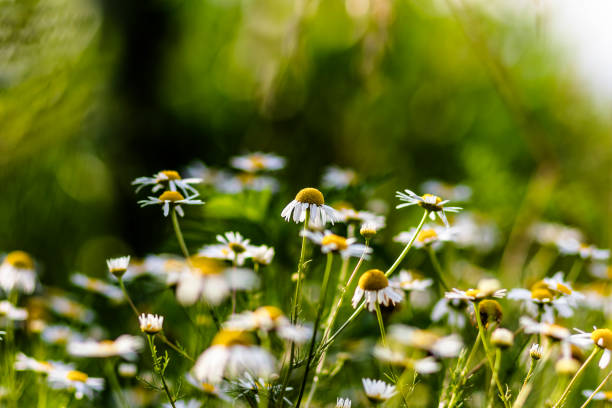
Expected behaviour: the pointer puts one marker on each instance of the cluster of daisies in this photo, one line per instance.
(243, 331)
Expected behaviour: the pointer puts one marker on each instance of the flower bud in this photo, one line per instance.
(502, 338)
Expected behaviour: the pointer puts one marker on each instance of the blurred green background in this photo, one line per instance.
(94, 94)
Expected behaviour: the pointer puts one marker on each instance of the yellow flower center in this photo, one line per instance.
(490, 311)
(170, 175)
(427, 235)
(272, 312)
(607, 395)
(171, 196)
(246, 178)
(19, 259)
(209, 388)
(93, 284)
(236, 247)
(311, 196)
(373, 280)
(330, 239)
(472, 292)
(431, 197)
(603, 338)
(228, 338)
(47, 365)
(107, 345)
(541, 294)
(563, 289)
(257, 161)
(539, 285)
(423, 339)
(206, 266)
(77, 376)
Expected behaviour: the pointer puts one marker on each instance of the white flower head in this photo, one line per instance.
(330, 242)
(457, 192)
(536, 351)
(261, 254)
(169, 180)
(70, 309)
(269, 318)
(150, 323)
(482, 292)
(126, 346)
(377, 390)
(171, 199)
(427, 340)
(118, 266)
(374, 285)
(343, 403)
(338, 178)
(25, 363)
(17, 272)
(232, 354)
(97, 286)
(602, 338)
(553, 331)
(452, 309)
(258, 161)
(310, 200)
(409, 281)
(77, 381)
(429, 235)
(434, 204)
(12, 313)
(599, 396)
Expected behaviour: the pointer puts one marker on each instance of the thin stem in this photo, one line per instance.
(381, 324)
(575, 377)
(127, 296)
(491, 396)
(112, 377)
(438, 272)
(179, 234)
(599, 387)
(483, 339)
(159, 369)
(316, 326)
(529, 374)
(401, 256)
(575, 270)
(462, 376)
(174, 347)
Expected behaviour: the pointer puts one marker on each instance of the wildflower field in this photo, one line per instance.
(311, 204)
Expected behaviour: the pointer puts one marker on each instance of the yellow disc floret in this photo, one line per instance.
(339, 241)
(603, 338)
(272, 312)
(541, 294)
(490, 311)
(310, 195)
(19, 259)
(236, 247)
(563, 289)
(77, 376)
(206, 266)
(427, 235)
(430, 202)
(171, 196)
(373, 280)
(168, 175)
(228, 338)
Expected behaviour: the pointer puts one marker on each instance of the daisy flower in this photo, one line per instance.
(397, 354)
(599, 396)
(343, 403)
(408, 281)
(125, 346)
(551, 330)
(426, 340)
(269, 318)
(429, 235)
(70, 309)
(166, 267)
(602, 338)
(127, 370)
(470, 231)
(329, 242)
(261, 254)
(10, 312)
(217, 390)
(258, 161)
(172, 199)
(434, 204)
(77, 381)
(97, 286)
(167, 180)
(60, 334)
(377, 391)
(338, 178)
(17, 272)
(232, 354)
(487, 289)
(502, 338)
(369, 229)
(585, 251)
(455, 192)
(209, 279)
(536, 351)
(192, 403)
(150, 323)
(257, 386)
(374, 285)
(312, 201)
(233, 247)
(118, 266)
(557, 235)
(452, 309)
(25, 363)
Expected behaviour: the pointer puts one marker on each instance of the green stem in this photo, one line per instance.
(401, 256)
(575, 377)
(127, 296)
(316, 326)
(484, 341)
(179, 234)
(491, 395)
(462, 376)
(599, 387)
(381, 324)
(114, 383)
(438, 272)
(159, 369)
(174, 347)
(575, 270)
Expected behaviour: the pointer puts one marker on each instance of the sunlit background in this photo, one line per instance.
(510, 98)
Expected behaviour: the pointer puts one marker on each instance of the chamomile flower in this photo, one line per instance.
(536, 351)
(471, 231)
(338, 178)
(258, 161)
(487, 289)
(455, 192)
(343, 403)
(269, 318)
(118, 266)
(192, 403)
(602, 338)
(599, 396)
(70, 309)
(429, 235)
(12, 313)
(150, 323)
(312, 201)
(377, 391)
(584, 251)
(217, 390)
(261, 254)
(168, 180)
(551, 330)
(330, 242)
(434, 204)
(17, 272)
(452, 309)
(211, 280)
(557, 235)
(97, 286)
(374, 285)
(126, 346)
(502, 338)
(349, 215)
(426, 340)
(232, 354)
(408, 281)
(60, 334)
(25, 363)
(541, 299)
(232, 247)
(77, 381)
(172, 199)
(257, 386)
